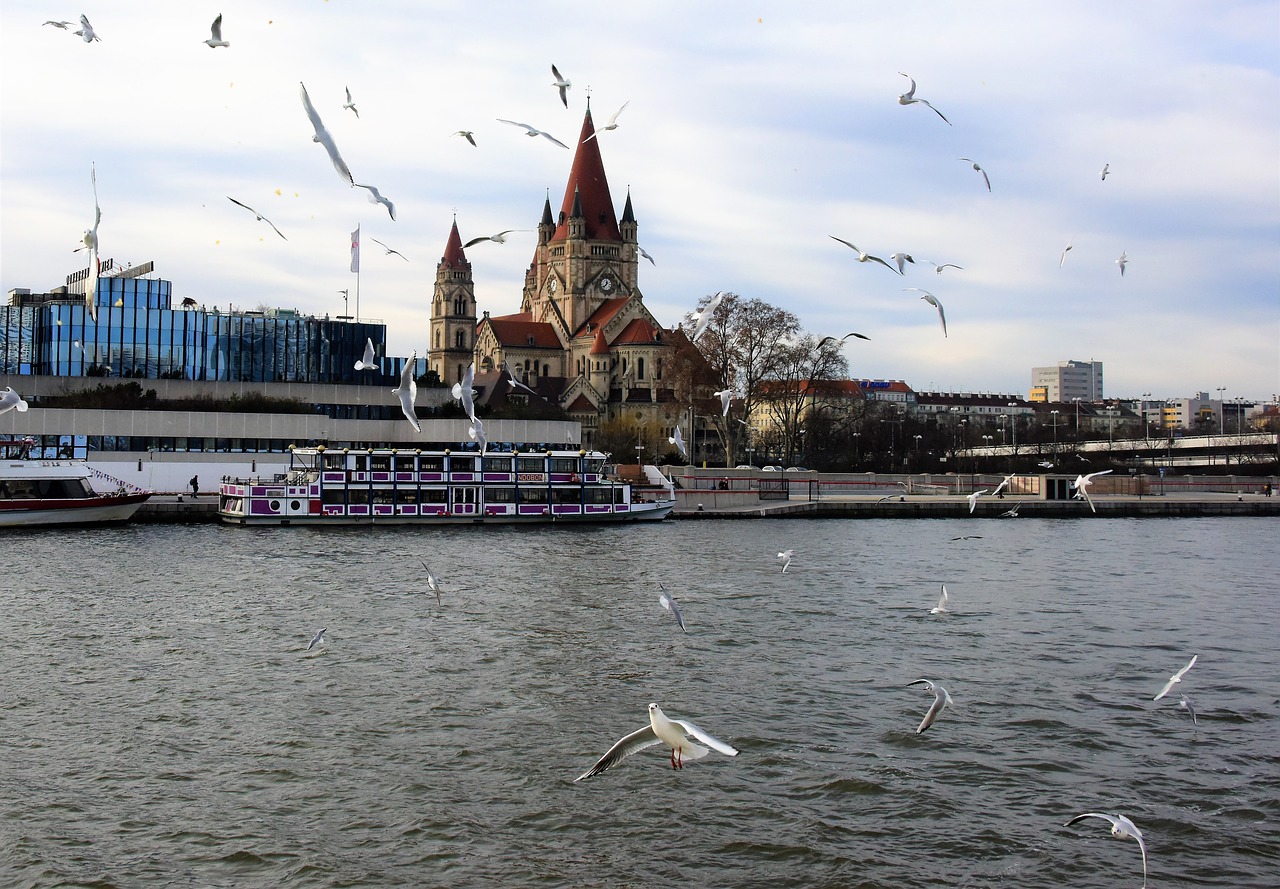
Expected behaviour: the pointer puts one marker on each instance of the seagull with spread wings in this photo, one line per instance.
(215, 34)
(985, 177)
(933, 301)
(350, 104)
(408, 392)
(258, 216)
(375, 197)
(499, 238)
(534, 131)
(864, 256)
(324, 138)
(908, 98)
(612, 123)
(389, 250)
(675, 733)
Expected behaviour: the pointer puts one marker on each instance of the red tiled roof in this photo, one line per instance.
(587, 180)
(453, 257)
(600, 346)
(639, 331)
(581, 404)
(515, 330)
(602, 315)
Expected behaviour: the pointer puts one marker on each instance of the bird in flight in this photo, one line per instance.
(1106, 170)
(375, 197)
(973, 499)
(468, 135)
(940, 700)
(675, 733)
(86, 31)
(908, 98)
(827, 339)
(1121, 828)
(933, 301)
(317, 639)
(1065, 251)
(370, 359)
(900, 259)
(863, 256)
(408, 392)
(324, 138)
(938, 267)
(941, 607)
(432, 581)
(499, 238)
(612, 124)
(464, 393)
(215, 34)
(1081, 485)
(60, 25)
(514, 381)
(702, 317)
(785, 558)
(678, 441)
(10, 401)
(562, 85)
(350, 104)
(534, 131)
(258, 216)
(1123, 261)
(669, 602)
(389, 250)
(645, 255)
(1176, 678)
(726, 396)
(979, 169)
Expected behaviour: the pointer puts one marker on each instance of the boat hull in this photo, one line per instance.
(646, 512)
(107, 509)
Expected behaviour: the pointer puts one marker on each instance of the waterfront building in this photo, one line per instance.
(1067, 381)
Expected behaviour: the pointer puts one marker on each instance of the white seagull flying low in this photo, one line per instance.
(11, 401)
(840, 342)
(463, 393)
(785, 558)
(317, 639)
(612, 124)
(668, 602)
(678, 441)
(675, 733)
(942, 602)
(1176, 678)
(370, 359)
(432, 581)
(726, 396)
(702, 317)
(940, 700)
(1121, 828)
(1081, 485)
(408, 392)
(562, 84)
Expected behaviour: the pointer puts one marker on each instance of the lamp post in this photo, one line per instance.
(857, 448)
(1004, 422)
(1013, 423)
(1077, 401)
(1055, 431)
(1222, 412)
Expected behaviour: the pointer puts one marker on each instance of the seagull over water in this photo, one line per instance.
(785, 558)
(1176, 678)
(1190, 706)
(317, 639)
(389, 250)
(940, 700)
(11, 401)
(408, 392)
(562, 84)
(933, 301)
(942, 602)
(322, 136)
(612, 124)
(973, 499)
(534, 131)
(215, 37)
(863, 256)
(675, 733)
(370, 359)
(1121, 828)
(979, 169)
(1081, 484)
(432, 581)
(258, 216)
(668, 602)
(908, 98)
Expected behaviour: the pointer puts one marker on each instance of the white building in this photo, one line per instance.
(1067, 381)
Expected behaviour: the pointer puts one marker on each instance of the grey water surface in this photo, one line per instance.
(162, 723)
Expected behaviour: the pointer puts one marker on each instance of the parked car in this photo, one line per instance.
(797, 469)
(771, 469)
(743, 466)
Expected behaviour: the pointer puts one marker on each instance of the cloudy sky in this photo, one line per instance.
(754, 132)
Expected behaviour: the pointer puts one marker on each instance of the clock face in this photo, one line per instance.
(606, 283)
(552, 285)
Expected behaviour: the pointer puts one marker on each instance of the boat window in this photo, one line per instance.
(462, 464)
(380, 463)
(406, 495)
(599, 495)
(335, 461)
(403, 462)
(564, 464)
(331, 496)
(497, 464)
(500, 495)
(533, 495)
(618, 495)
(595, 465)
(530, 464)
(384, 495)
(433, 495)
(360, 462)
(431, 463)
(357, 496)
(566, 495)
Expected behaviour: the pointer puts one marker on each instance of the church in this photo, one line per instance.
(583, 338)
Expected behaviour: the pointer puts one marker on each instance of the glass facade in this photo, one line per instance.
(139, 335)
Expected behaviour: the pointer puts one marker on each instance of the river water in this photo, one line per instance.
(162, 724)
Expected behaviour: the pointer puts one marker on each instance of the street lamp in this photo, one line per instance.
(1222, 412)
(1077, 401)
(857, 447)
(1055, 430)
(917, 438)
(1004, 422)
(1013, 423)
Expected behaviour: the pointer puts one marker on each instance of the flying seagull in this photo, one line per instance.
(389, 250)
(726, 395)
(1081, 484)
(675, 733)
(499, 238)
(215, 37)
(979, 169)
(1012, 513)
(476, 432)
(317, 639)
(463, 393)
(702, 317)
(60, 25)
(1121, 828)
(646, 255)
(258, 216)
(375, 197)
(322, 136)
(900, 260)
(408, 392)
(432, 581)
(86, 31)
(1176, 678)
(942, 602)
(938, 267)
(678, 441)
(908, 98)
(840, 341)
(91, 244)
(1065, 251)
(1190, 706)
(514, 381)
(863, 256)
(370, 359)
(562, 85)
(933, 301)
(11, 401)
(973, 499)
(612, 124)
(1123, 261)
(668, 602)
(785, 558)
(350, 104)
(940, 700)
(534, 131)
(1106, 169)
(468, 135)
(1003, 484)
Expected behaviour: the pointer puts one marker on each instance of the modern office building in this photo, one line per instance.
(1066, 381)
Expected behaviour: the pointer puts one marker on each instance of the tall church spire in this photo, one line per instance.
(587, 184)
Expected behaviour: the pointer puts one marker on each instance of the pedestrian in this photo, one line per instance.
(195, 486)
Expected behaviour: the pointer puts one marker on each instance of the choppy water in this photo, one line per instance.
(162, 725)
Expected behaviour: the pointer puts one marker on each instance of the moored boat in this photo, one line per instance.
(428, 487)
(39, 492)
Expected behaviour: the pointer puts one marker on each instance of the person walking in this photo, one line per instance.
(195, 486)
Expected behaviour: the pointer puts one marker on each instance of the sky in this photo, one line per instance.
(753, 133)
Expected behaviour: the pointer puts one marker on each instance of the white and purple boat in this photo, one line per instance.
(37, 491)
(413, 486)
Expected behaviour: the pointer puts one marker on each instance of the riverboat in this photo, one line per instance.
(411, 486)
(36, 492)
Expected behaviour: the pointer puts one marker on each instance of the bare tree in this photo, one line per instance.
(809, 380)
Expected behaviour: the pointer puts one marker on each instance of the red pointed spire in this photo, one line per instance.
(454, 257)
(587, 181)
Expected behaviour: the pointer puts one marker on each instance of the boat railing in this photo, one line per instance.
(122, 487)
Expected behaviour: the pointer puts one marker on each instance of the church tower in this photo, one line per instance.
(453, 313)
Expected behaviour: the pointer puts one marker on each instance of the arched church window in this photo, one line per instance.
(546, 370)
(437, 339)
(639, 368)
(461, 339)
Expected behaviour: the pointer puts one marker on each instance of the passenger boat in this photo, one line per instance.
(38, 492)
(411, 486)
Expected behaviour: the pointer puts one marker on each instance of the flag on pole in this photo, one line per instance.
(355, 250)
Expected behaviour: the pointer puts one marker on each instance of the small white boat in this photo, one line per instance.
(415, 486)
(38, 492)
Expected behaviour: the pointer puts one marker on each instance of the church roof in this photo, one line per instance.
(602, 315)
(453, 257)
(639, 332)
(581, 404)
(600, 346)
(521, 330)
(588, 187)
